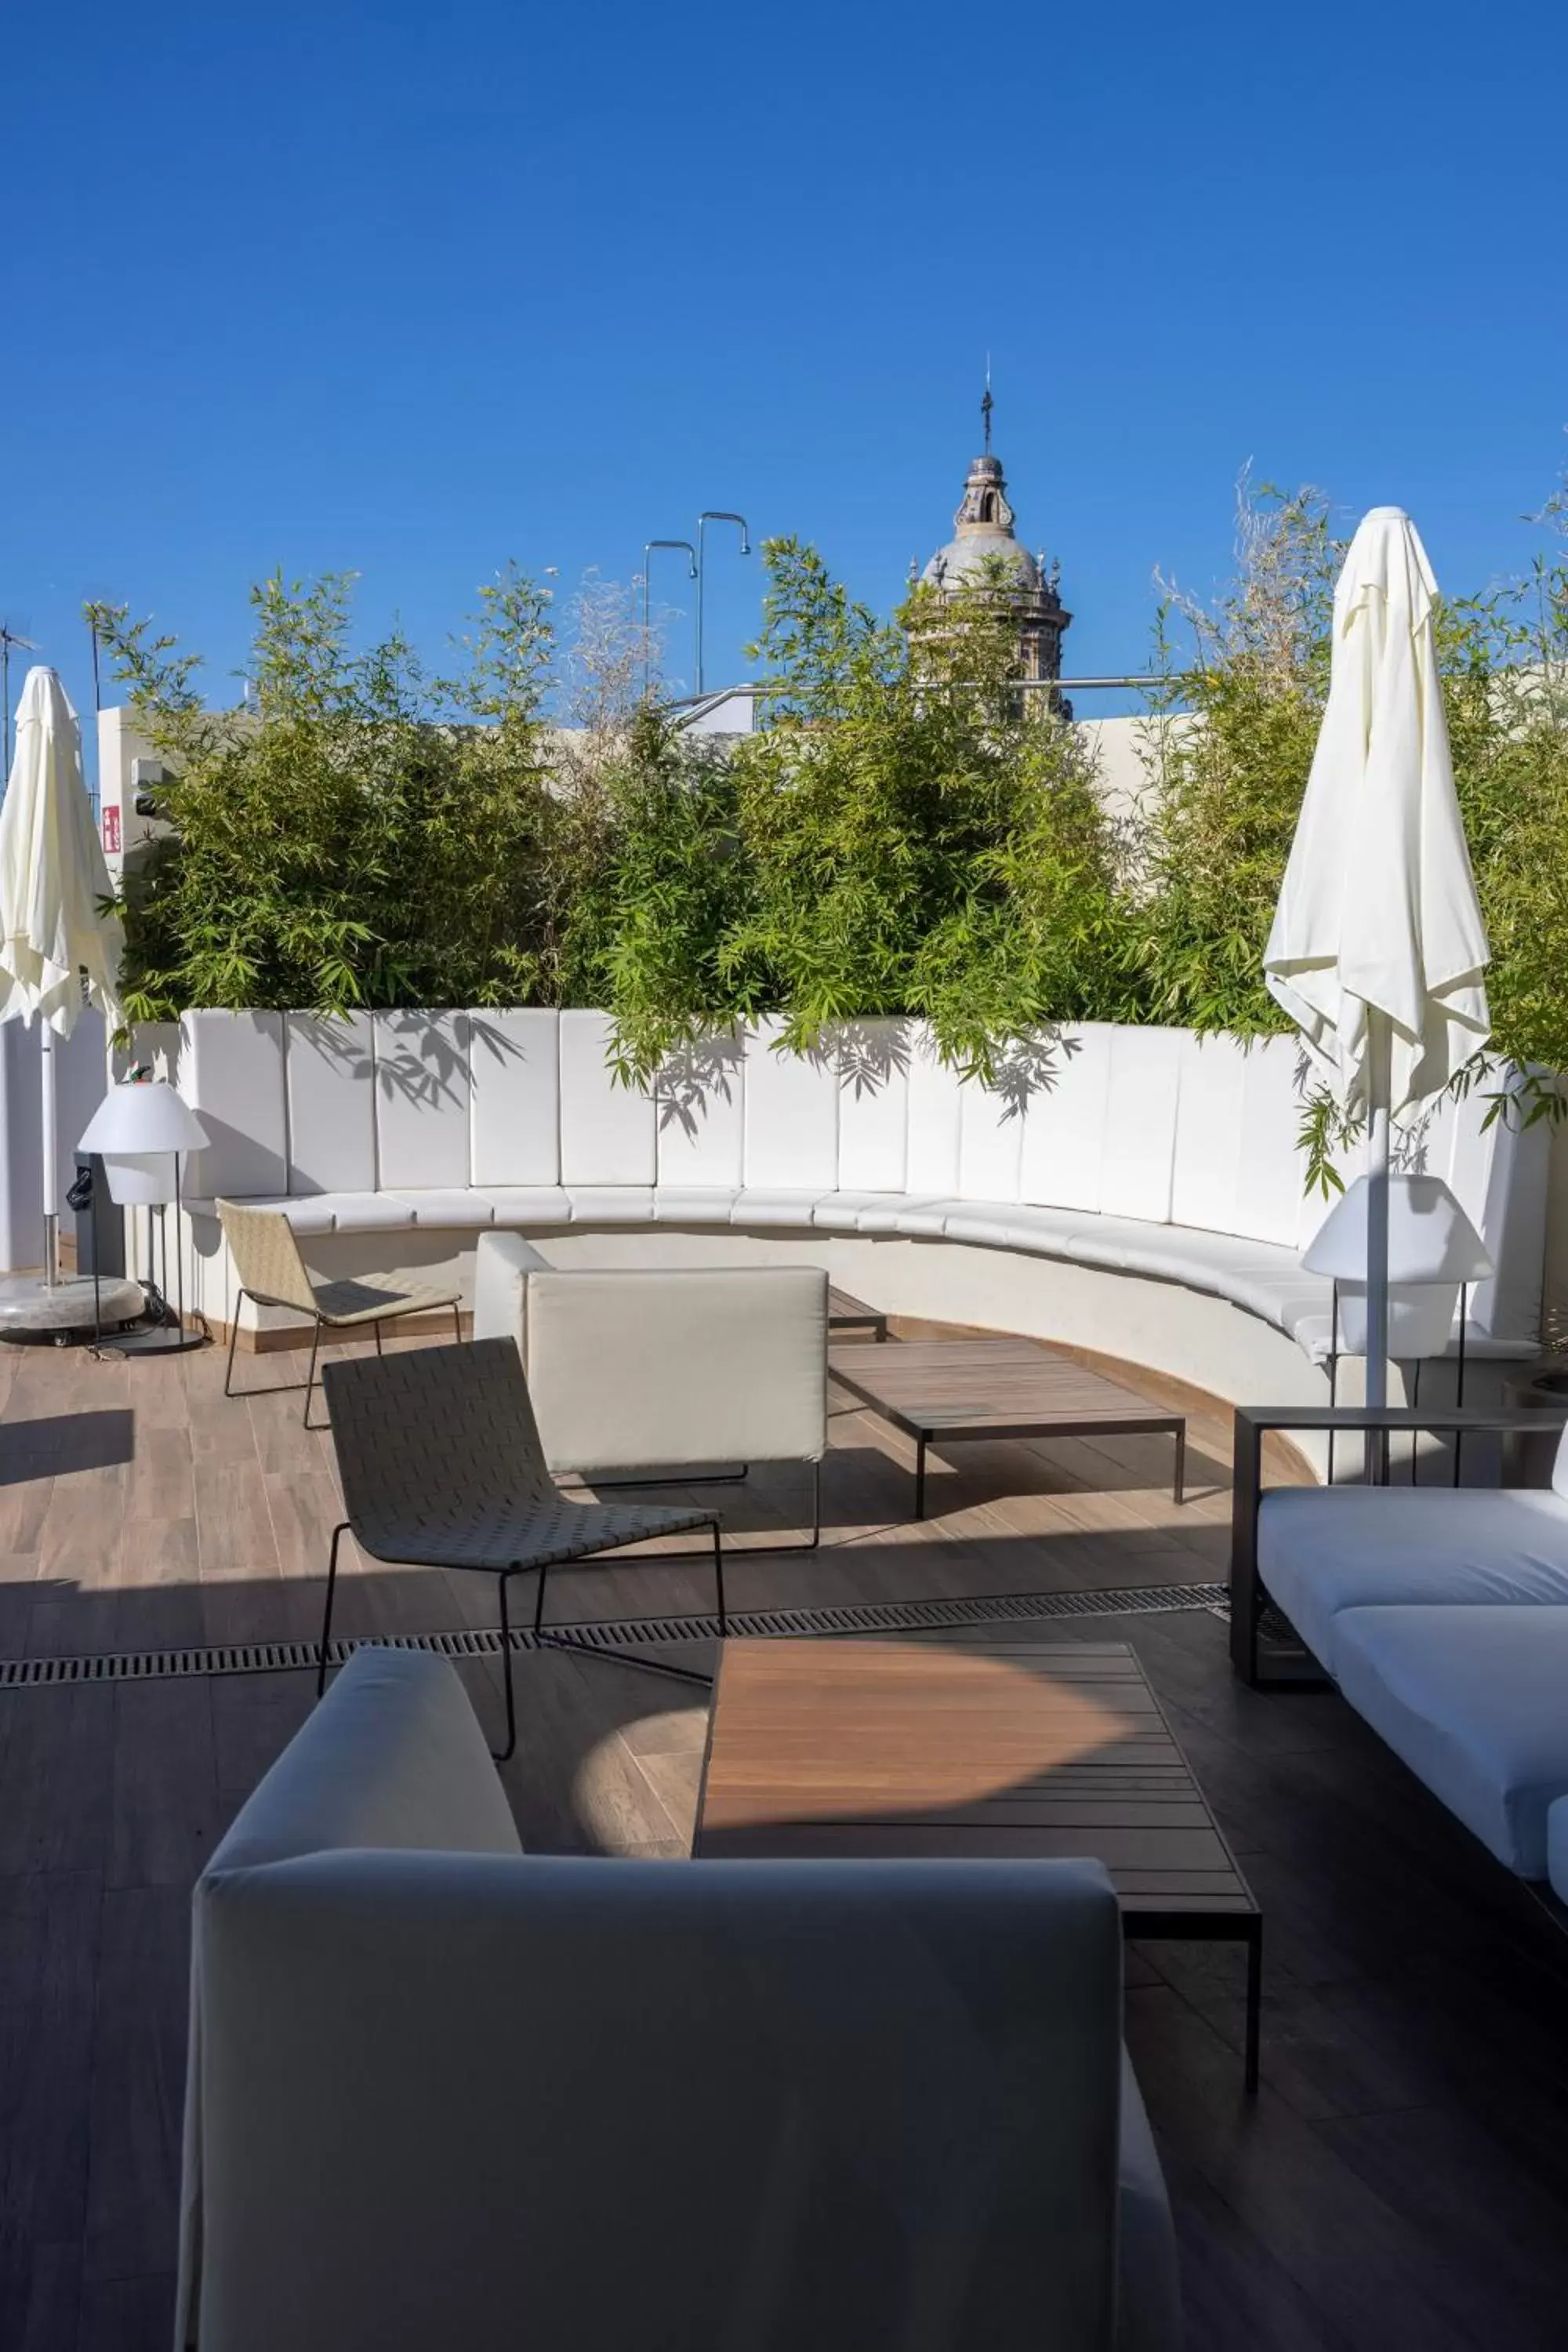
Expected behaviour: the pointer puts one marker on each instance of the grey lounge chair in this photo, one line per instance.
(271, 1271)
(441, 1465)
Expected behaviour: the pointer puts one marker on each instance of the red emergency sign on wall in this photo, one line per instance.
(111, 831)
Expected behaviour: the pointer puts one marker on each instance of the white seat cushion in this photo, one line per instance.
(314, 1215)
(1475, 1700)
(456, 1211)
(364, 1212)
(1324, 1551)
(611, 1204)
(763, 1204)
(693, 1205)
(925, 1215)
(528, 1205)
(1043, 1233)
(840, 1212)
(891, 1212)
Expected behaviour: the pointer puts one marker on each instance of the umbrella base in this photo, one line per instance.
(31, 1309)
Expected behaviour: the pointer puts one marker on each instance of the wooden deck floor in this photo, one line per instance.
(1403, 2179)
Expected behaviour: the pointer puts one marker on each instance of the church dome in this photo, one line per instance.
(983, 535)
(985, 551)
(975, 554)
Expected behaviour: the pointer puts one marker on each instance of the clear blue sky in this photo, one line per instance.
(411, 290)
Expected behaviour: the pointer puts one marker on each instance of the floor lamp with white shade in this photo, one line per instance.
(139, 1131)
(1432, 1256)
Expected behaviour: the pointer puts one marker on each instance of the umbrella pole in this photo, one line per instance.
(51, 1163)
(1378, 1087)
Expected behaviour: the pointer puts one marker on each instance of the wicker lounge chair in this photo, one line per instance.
(441, 1465)
(272, 1272)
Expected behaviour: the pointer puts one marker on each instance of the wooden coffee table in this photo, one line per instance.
(973, 1745)
(941, 1391)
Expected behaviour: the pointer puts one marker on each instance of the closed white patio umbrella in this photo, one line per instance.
(57, 951)
(1378, 951)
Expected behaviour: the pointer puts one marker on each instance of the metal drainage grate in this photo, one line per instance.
(615, 1633)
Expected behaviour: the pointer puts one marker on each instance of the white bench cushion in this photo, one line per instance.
(791, 1116)
(368, 1212)
(231, 1071)
(611, 1204)
(990, 1144)
(607, 1131)
(1063, 1152)
(1475, 1700)
(1137, 1171)
(528, 1205)
(1321, 1551)
(700, 1115)
(331, 1071)
(693, 1205)
(443, 1210)
(936, 1117)
(514, 1077)
(873, 1064)
(422, 1100)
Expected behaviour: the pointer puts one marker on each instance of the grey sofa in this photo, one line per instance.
(442, 2094)
(1441, 1614)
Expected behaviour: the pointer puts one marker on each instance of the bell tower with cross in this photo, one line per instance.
(985, 549)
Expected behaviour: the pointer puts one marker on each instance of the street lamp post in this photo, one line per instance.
(692, 573)
(713, 514)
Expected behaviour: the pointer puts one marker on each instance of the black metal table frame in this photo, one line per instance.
(1213, 1927)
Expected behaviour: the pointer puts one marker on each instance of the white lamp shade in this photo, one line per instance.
(1420, 1319)
(137, 1129)
(144, 1116)
(139, 1178)
(1430, 1239)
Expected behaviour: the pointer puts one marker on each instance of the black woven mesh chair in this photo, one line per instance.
(442, 1466)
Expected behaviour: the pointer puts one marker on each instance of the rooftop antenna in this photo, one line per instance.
(986, 405)
(8, 638)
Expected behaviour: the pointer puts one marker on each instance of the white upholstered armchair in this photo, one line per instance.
(441, 2094)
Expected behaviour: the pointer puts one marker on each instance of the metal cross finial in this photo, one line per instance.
(986, 405)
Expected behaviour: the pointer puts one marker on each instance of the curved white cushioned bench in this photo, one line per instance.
(1149, 1153)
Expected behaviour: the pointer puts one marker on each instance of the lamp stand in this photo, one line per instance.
(163, 1338)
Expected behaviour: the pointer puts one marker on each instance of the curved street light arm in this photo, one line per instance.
(692, 573)
(713, 514)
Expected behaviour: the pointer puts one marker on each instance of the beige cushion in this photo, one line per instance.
(630, 1370)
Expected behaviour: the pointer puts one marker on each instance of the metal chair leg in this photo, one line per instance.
(232, 1336)
(376, 1327)
(310, 1379)
(338, 1532)
(501, 1754)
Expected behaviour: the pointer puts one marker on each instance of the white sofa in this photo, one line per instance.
(442, 2094)
(1137, 1190)
(635, 1368)
(1443, 1618)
